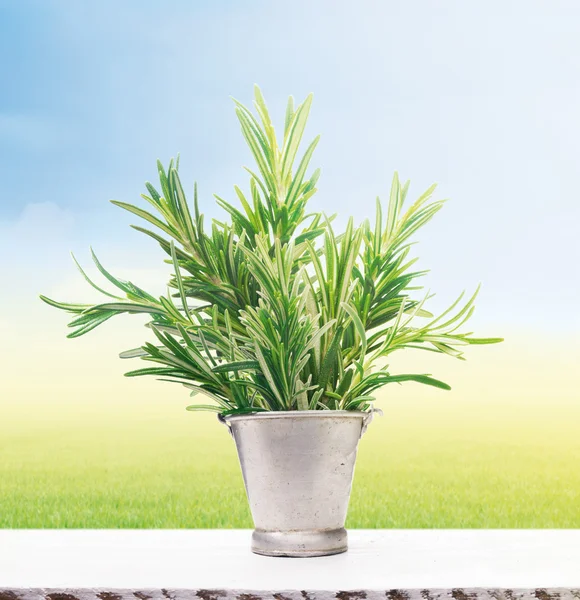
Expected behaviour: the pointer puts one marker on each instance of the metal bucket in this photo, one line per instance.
(298, 468)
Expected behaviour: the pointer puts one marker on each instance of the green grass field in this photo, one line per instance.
(426, 463)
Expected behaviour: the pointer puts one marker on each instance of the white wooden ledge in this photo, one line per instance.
(386, 561)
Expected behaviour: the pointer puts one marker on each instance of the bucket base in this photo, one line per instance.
(299, 543)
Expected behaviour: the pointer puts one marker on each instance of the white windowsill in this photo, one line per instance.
(377, 560)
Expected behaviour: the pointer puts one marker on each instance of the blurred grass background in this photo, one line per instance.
(428, 462)
(82, 446)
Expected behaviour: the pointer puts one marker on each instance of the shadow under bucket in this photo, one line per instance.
(298, 468)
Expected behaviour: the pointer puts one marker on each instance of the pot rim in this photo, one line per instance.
(307, 414)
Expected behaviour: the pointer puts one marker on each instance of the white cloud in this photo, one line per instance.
(36, 217)
(28, 245)
(35, 251)
(35, 353)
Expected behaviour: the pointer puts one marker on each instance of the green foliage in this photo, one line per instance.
(273, 310)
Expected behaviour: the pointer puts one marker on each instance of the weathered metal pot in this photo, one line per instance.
(298, 468)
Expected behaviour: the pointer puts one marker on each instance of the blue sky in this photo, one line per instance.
(480, 97)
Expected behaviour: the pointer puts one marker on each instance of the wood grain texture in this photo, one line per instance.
(217, 594)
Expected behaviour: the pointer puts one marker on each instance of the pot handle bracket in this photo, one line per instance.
(222, 419)
(369, 417)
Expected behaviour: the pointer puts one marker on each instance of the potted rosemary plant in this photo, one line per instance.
(283, 326)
